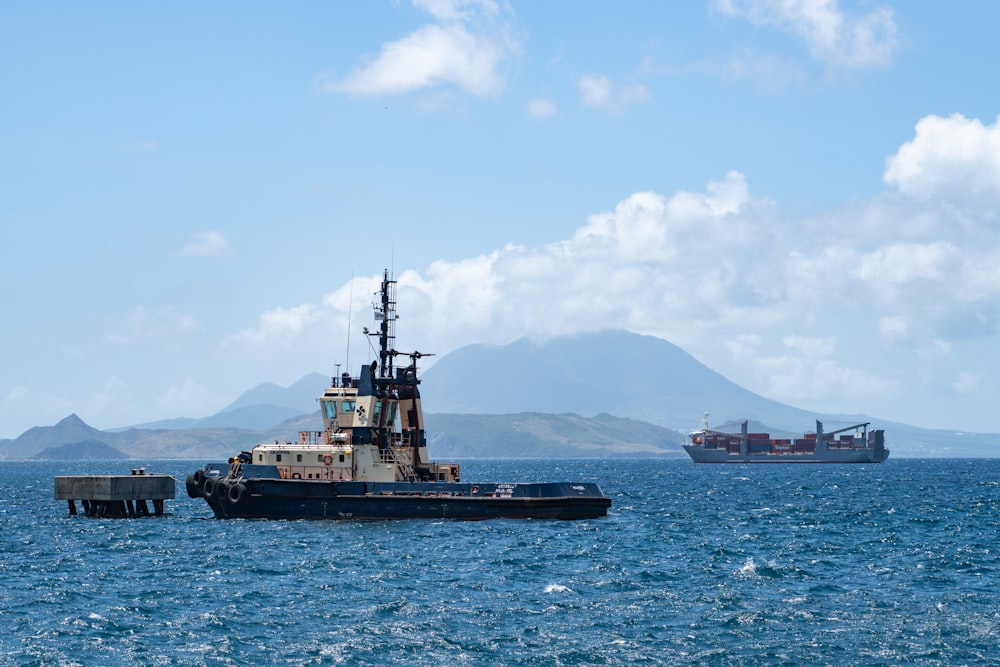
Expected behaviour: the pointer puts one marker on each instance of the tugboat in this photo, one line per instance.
(370, 461)
(855, 444)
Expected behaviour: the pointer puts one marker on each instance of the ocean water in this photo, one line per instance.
(888, 564)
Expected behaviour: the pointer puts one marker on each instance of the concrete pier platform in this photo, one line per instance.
(116, 495)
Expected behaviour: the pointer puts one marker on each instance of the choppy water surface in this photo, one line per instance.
(728, 565)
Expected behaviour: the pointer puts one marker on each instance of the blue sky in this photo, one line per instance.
(198, 197)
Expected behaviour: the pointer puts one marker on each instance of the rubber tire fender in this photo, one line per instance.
(192, 487)
(236, 493)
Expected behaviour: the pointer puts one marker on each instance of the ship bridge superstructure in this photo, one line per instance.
(373, 428)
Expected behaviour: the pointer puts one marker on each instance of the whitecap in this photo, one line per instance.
(556, 588)
(749, 568)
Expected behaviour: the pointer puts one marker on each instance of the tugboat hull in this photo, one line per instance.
(302, 499)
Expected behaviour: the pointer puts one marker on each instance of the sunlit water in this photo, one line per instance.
(887, 564)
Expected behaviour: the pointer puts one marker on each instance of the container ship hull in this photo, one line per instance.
(858, 446)
(702, 455)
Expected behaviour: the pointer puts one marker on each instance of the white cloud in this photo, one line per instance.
(277, 326)
(599, 92)
(209, 243)
(744, 346)
(894, 328)
(953, 158)
(541, 108)
(903, 264)
(456, 10)
(809, 346)
(469, 48)
(832, 35)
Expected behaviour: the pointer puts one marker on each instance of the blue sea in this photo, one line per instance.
(886, 564)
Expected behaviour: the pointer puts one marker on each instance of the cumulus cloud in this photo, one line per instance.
(279, 325)
(599, 92)
(954, 158)
(468, 47)
(832, 35)
(860, 304)
(209, 243)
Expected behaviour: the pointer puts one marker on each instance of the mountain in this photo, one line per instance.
(536, 435)
(87, 450)
(37, 438)
(259, 408)
(613, 372)
(300, 397)
(73, 439)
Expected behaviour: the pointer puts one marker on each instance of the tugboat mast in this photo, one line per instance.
(387, 332)
(385, 312)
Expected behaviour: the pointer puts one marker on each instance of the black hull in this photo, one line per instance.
(703, 455)
(303, 499)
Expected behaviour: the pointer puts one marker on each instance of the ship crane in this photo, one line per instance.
(820, 434)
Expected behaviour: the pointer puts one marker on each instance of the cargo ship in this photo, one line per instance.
(851, 444)
(370, 461)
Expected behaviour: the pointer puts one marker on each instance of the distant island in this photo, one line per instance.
(86, 450)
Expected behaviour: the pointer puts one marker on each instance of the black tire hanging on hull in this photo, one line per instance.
(236, 493)
(192, 487)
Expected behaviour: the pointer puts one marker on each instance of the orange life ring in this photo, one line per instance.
(327, 459)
